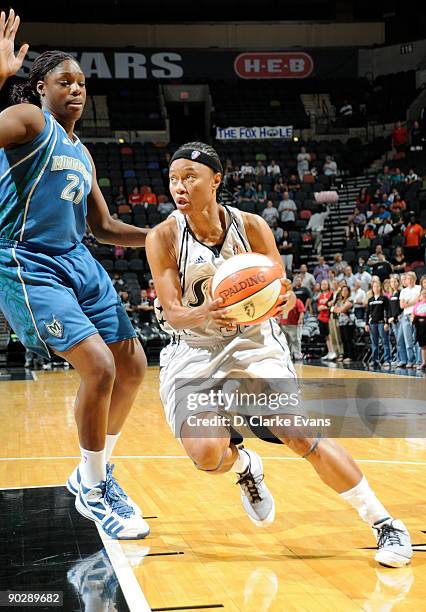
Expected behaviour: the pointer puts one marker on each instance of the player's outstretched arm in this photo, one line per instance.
(20, 123)
(161, 252)
(103, 226)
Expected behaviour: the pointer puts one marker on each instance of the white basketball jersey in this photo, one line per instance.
(197, 263)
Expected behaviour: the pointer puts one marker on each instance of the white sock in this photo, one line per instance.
(241, 462)
(111, 440)
(364, 500)
(92, 466)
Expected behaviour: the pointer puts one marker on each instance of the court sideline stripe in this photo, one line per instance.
(385, 461)
(131, 588)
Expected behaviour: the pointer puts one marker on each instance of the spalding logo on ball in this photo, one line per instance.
(250, 285)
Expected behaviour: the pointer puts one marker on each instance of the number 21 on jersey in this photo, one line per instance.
(74, 190)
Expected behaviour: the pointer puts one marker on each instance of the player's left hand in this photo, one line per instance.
(286, 300)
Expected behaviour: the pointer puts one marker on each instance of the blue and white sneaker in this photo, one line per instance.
(73, 485)
(102, 504)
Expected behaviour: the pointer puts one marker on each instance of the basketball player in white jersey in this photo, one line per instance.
(184, 252)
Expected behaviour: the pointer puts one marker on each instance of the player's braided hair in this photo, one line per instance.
(26, 91)
(208, 150)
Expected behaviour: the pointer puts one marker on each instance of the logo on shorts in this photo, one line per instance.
(55, 328)
(249, 309)
(195, 154)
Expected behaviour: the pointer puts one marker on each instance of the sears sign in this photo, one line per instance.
(288, 65)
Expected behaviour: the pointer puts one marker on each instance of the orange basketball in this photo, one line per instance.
(250, 286)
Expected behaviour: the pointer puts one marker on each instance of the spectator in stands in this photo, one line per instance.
(120, 197)
(302, 293)
(339, 265)
(287, 209)
(377, 324)
(399, 137)
(408, 297)
(148, 197)
(135, 197)
(363, 199)
(314, 299)
(145, 309)
(343, 308)
(247, 170)
(316, 227)
(308, 280)
(364, 277)
(293, 185)
(303, 161)
(419, 323)
(398, 204)
(324, 316)
(273, 169)
(413, 235)
(374, 257)
(259, 170)
(358, 299)
(281, 185)
(321, 269)
(356, 222)
(349, 277)
(247, 193)
(330, 168)
(270, 214)
(261, 194)
(394, 320)
(336, 339)
(345, 111)
(124, 295)
(165, 208)
(416, 137)
(398, 261)
(118, 283)
(382, 268)
(386, 230)
(386, 287)
(411, 177)
(233, 181)
(151, 291)
(285, 248)
(291, 325)
(397, 177)
(384, 179)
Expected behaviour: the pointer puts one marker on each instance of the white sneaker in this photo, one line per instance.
(393, 543)
(255, 495)
(73, 484)
(332, 356)
(326, 357)
(103, 505)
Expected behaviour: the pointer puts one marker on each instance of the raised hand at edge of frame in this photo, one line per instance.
(9, 62)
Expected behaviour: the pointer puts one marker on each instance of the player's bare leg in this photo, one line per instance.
(338, 470)
(130, 367)
(97, 495)
(213, 452)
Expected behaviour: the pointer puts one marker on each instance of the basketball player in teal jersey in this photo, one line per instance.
(184, 252)
(56, 297)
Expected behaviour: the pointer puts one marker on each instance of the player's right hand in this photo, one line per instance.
(214, 311)
(9, 63)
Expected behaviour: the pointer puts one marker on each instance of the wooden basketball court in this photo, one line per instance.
(203, 552)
